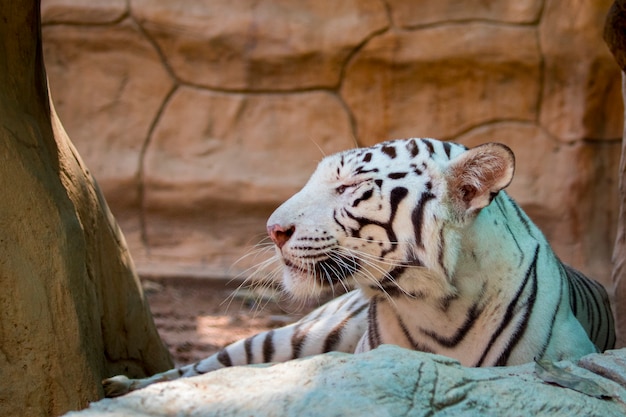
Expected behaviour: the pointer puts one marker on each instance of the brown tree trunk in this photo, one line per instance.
(615, 37)
(619, 251)
(71, 307)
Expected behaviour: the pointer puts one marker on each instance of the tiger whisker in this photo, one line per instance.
(368, 275)
(253, 270)
(387, 262)
(250, 281)
(328, 278)
(341, 276)
(373, 262)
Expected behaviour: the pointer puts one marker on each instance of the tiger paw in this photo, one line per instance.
(116, 386)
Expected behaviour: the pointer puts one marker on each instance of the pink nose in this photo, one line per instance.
(280, 235)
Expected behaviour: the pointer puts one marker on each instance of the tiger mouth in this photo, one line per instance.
(329, 270)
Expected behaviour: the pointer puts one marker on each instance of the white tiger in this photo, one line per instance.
(444, 262)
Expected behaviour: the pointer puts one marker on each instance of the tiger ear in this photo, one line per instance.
(475, 177)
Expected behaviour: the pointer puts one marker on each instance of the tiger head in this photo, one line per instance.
(369, 215)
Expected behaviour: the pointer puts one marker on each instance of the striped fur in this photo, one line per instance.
(443, 259)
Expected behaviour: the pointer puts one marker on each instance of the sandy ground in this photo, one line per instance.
(196, 317)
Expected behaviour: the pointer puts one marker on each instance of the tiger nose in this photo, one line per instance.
(279, 234)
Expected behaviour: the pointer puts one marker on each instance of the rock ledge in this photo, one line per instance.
(387, 381)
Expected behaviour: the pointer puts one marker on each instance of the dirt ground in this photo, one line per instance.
(196, 317)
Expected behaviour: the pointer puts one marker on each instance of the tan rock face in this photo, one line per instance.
(92, 11)
(223, 103)
(277, 45)
(420, 83)
(126, 87)
(225, 157)
(582, 83)
(412, 14)
(227, 132)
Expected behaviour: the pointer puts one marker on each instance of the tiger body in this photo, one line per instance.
(444, 261)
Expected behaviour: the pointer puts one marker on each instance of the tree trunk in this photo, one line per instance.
(71, 307)
(615, 37)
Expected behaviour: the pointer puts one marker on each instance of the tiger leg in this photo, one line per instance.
(336, 326)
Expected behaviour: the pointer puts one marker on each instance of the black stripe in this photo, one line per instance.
(407, 334)
(510, 309)
(396, 175)
(417, 217)
(332, 339)
(247, 345)
(575, 294)
(301, 331)
(334, 336)
(546, 341)
(519, 248)
(297, 340)
(470, 319)
(388, 150)
(373, 334)
(362, 170)
(268, 347)
(396, 196)
(594, 310)
(446, 148)
(338, 222)
(224, 358)
(446, 301)
(364, 197)
(607, 323)
(442, 246)
(530, 303)
(412, 147)
(609, 330)
(389, 282)
(429, 145)
(521, 216)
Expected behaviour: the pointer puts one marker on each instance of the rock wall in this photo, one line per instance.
(200, 117)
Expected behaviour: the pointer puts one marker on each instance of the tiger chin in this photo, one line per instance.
(444, 261)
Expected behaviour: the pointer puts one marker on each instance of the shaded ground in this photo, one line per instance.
(196, 317)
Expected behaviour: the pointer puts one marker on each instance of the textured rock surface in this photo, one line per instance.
(222, 134)
(92, 11)
(412, 14)
(252, 45)
(421, 83)
(579, 95)
(71, 308)
(199, 117)
(388, 381)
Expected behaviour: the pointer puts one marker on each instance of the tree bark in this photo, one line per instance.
(71, 307)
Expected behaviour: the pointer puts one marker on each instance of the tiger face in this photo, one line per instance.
(368, 215)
